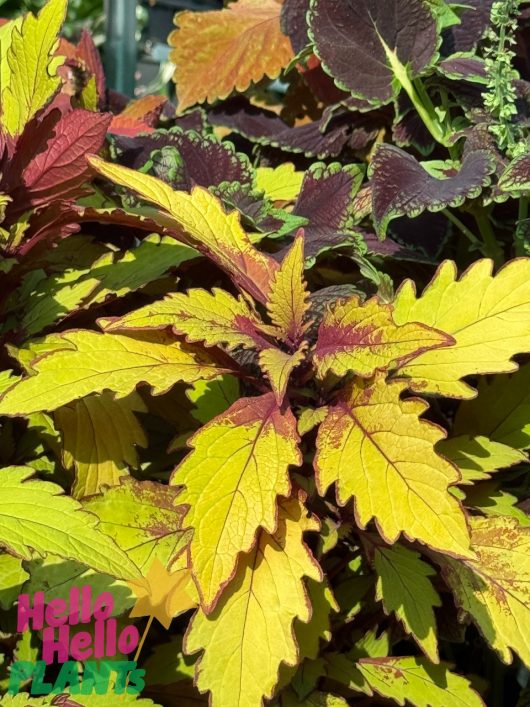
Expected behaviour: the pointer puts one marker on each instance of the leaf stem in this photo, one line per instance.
(519, 240)
(424, 106)
(464, 230)
(491, 247)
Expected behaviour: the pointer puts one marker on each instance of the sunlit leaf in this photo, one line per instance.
(278, 366)
(281, 183)
(478, 457)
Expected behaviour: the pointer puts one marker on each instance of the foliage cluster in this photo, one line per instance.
(276, 339)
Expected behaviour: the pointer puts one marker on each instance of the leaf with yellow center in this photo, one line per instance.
(488, 317)
(495, 588)
(95, 362)
(163, 595)
(362, 338)
(238, 467)
(212, 317)
(404, 588)
(278, 366)
(250, 632)
(239, 45)
(288, 299)
(282, 183)
(200, 220)
(32, 79)
(375, 448)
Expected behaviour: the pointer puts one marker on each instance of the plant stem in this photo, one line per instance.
(462, 228)
(491, 247)
(519, 240)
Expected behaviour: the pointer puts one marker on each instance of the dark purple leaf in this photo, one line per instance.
(294, 23)
(349, 38)
(401, 186)
(391, 249)
(409, 130)
(195, 120)
(326, 201)
(426, 234)
(205, 160)
(473, 23)
(516, 178)
(323, 86)
(465, 68)
(266, 128)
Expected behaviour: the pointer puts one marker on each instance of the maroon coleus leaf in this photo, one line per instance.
(60, 169)
(352, 38)
(391, 249)
(401, 186)
(425, 235)
(318, 139)
(474, 20)
(139, 116)
(88, 52)
(205, 160)
(294, 23)
(194, 120)
(408, 129)
(463, 68)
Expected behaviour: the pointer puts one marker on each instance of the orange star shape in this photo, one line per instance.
(163, 595)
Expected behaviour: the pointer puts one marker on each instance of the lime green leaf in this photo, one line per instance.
(32, 79)
(418, 682)
(246, 452)
(99, 435)
(362, 337)
(34, 514)
(6, 34)
(310, 418)
(491, 500)
(315, 699)
(281, 183)
(249, 633)
(404, 588)
(374, 447)
(143, 519)
(278, 366)
(478, 457)
(12, 577)
(501, 411)
(200, 221)
(212, 317)
(486, 315)
(495, 588)
(93, 362)
(213, 397)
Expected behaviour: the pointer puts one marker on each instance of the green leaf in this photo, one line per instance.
(211, 398)
(35, 515)
(12, 577)
(89, 362)
(143, 519)
(404, 588)
(478, 457)
(418, 682)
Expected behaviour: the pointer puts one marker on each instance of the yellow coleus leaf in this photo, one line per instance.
(278, 366)
(32, 78)
(364, 337)
(246, 451)
(501, 411)
(239, 45)
(163, 595)
(478, 457)
(212, 317)
(418, 682)
(309, 418)
(494, 589)
(288, 299)
(99, 439)
(250, 632)
(95, 362)
(404, 587)
(488, 317)
(200, 220)
(375, 448)
(282, 183)
(6, 33)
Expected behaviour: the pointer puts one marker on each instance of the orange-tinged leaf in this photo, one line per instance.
(199, 220)
(362, 338)
(32, 79)
(238, 45)
(163, 595)
(139, 116)
(495, 588)
(488, 316)
(212, 317)
(238, 467)
(375, 448)
(288, 298)
(278, 365)
(250, 633)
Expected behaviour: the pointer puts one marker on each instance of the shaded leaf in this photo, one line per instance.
(478, 457)
(375, 448)
(247, 452)
(12, 577)
(241, 44)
